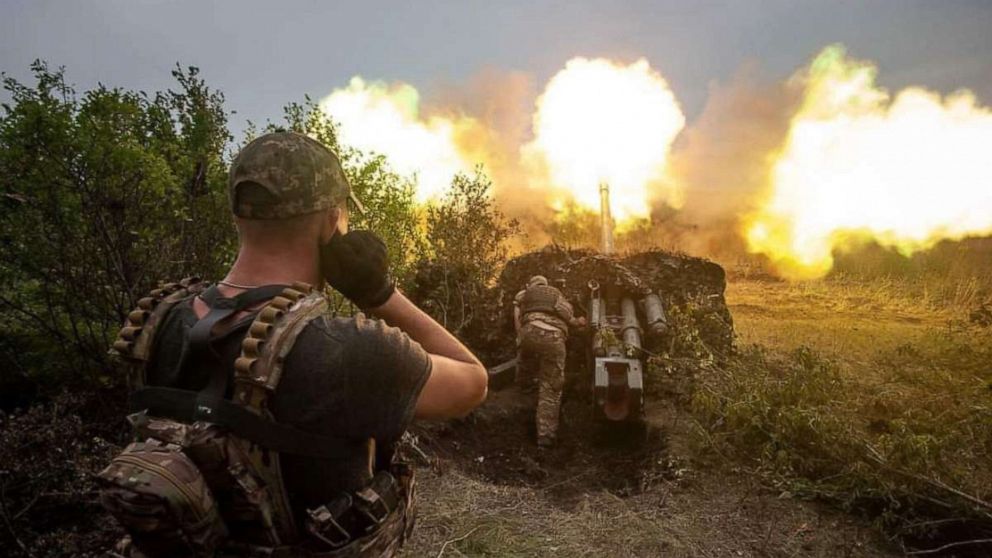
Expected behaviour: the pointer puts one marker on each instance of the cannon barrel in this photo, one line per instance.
(631, 330)
(605, 218)
(654, 314)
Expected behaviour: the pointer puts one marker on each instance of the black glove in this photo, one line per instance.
(357, 265)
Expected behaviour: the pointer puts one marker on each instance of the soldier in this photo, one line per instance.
(542, 317)
(266, 425)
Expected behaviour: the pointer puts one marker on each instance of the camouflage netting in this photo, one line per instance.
(692, 290)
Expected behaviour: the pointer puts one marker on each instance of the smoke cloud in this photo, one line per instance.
(707, 186)
(724, 161)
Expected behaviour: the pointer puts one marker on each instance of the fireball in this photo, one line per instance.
(905, 171)
(600, 121)
(385, 119)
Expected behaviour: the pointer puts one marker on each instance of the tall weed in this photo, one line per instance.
(906, 439)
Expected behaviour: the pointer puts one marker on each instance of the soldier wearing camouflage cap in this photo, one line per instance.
(325, 399)
(300, 173)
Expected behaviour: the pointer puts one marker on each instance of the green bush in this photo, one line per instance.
(906, 439)
(464, 247)
(103, 195)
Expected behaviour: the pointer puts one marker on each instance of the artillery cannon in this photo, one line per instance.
(616, 348)
(617, 335)
(636, 304)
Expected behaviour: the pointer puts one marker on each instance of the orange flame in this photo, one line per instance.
(602, 121)
(378, 118)
(905, 171)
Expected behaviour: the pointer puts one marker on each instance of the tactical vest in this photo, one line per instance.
(203, 477)
(540, 298)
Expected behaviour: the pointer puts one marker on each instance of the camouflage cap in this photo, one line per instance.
(299, 174)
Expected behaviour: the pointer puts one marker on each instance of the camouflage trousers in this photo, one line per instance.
(544, 350)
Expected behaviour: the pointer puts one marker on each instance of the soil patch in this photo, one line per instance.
(496, 444)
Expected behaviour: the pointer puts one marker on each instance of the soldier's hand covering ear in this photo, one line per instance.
(357, 265)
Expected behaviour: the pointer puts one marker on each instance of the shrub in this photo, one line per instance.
(906, 439)
(465, 246)
(107, 193)
(103, 196)
(49, 455)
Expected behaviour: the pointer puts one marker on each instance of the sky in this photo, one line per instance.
(263, 54)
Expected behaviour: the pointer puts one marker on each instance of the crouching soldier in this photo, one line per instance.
(542, 317)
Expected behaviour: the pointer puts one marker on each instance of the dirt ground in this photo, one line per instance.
(489, 492)
(485, 489)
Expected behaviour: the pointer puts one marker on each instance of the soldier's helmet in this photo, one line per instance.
(537, 280)
(284, 174)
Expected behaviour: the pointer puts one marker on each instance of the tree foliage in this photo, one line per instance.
(102, 196)
(465, 247)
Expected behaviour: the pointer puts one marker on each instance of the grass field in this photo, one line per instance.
(877, 399)
(854, 420)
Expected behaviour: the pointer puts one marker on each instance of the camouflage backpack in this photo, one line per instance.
(203, 478)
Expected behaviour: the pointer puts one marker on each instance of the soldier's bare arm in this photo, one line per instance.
(458, 381)
(357, 265)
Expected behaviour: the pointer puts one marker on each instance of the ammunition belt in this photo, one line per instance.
(143, 318)
(133, 345)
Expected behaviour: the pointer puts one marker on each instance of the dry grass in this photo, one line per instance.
(863, 395)
(478, 518)
(848, 321)
(710, 516)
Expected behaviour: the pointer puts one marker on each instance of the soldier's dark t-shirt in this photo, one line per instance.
(352, 378)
